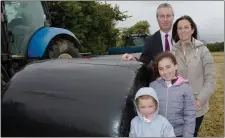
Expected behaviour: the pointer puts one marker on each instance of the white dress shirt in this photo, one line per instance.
(169, 39)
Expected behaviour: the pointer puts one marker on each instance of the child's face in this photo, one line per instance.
(146, 106)
(167, 69)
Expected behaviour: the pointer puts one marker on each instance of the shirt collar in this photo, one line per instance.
(169, 33)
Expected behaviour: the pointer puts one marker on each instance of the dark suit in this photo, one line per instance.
(153, 47)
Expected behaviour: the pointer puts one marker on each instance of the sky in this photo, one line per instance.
(208, 15)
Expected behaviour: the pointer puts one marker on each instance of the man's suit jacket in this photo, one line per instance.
(153, 47)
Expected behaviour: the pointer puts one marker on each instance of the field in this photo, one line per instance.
(213, 123)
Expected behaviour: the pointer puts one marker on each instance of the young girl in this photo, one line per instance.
(176, 101)
(148, 123)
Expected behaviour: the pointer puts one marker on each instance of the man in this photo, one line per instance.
(159, 41)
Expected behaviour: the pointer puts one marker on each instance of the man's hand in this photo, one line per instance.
(197, 104)
(128, 57)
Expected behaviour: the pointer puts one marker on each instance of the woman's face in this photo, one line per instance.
(167, 69)
(184, 30)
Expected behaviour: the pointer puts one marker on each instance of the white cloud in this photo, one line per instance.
(208, 15)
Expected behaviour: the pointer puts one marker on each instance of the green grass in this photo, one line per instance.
(213, 123)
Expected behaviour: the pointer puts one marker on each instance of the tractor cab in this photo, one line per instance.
(23, 19)
(28, 25)
(133, 43)
(134, 40)
(27, 36)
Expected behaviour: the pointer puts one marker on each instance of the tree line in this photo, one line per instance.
(94, 24)
(216, 47)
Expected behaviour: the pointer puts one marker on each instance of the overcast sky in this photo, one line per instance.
(208, 15)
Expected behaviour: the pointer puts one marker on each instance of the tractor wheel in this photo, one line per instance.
(63, 49)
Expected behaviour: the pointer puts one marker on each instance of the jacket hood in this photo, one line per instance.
(178, 82)
(194, 44)
(198, 43)
(147, 91)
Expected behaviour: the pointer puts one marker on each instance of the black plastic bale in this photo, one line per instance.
(73, 98)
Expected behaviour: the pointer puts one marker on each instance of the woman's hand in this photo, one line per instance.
(197, 104)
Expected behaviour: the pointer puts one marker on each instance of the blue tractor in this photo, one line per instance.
(27, 35)
(133, 43)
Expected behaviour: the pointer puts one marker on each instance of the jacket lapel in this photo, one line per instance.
(158, 39)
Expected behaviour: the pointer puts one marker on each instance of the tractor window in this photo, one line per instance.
(24, 18)
(11, 10)
(129, 41)
(139, 41)
(30, 13)
(135, 41)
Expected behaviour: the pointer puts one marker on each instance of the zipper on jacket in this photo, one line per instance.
(183, 54)
(167, 99)
(185, 58)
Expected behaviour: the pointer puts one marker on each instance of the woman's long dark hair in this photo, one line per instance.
(193, 26)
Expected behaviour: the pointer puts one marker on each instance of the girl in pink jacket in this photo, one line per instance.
(176, 101)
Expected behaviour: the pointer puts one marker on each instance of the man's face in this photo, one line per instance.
(165, 19)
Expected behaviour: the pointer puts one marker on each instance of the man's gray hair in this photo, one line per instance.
(164, 5)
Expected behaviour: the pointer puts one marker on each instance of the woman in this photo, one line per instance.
(195, 63)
